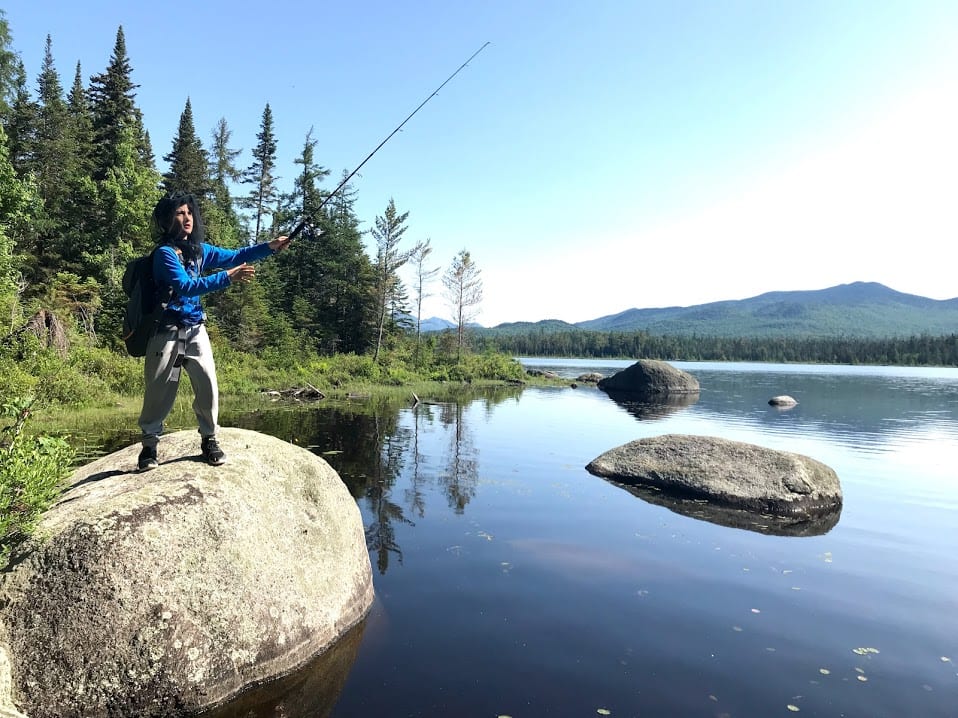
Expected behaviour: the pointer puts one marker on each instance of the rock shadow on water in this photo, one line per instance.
(703, 510)
(309, 692)
(648, 407)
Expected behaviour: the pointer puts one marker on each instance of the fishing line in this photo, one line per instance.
(305, 222)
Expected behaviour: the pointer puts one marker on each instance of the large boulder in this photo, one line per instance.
(168, 592)
(650, 378)
(725, 473)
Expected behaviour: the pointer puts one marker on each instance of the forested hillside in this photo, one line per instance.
(859, 309)
(79, 178)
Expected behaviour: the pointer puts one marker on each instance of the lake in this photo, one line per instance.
(511, 582)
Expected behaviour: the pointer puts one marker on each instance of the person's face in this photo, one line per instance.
(182, 222)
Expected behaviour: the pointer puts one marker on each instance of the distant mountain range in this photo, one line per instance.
(859, 309)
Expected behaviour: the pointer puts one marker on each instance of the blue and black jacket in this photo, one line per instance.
(187, 282)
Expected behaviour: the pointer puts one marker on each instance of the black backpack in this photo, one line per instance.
(146, 304)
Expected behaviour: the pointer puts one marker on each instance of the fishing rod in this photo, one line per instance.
(307, 220)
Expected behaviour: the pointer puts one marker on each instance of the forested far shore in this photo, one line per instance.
(922, 350)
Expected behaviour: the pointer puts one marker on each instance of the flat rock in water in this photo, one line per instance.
(727, 473)
(167, 592)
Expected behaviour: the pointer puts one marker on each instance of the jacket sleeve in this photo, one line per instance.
(219, 258)
(169, 272)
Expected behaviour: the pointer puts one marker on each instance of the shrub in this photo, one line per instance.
(31, 472)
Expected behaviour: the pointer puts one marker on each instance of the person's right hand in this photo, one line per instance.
(242, 273)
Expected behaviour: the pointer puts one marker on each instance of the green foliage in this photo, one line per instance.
(189, 165)
(15, 378)
(112, 373)
(921, 350)
(32, 470)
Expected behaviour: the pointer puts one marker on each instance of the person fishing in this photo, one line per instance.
(181, 263)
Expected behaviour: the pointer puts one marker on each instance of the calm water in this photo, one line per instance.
(511, 582)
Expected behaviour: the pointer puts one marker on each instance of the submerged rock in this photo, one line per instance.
(651, 378)
(725, 473)
(165, 593)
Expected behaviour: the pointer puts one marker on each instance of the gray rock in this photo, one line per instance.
(590, 378)
(650, 377)
(164, 593)
(782, 400)
(725, 473)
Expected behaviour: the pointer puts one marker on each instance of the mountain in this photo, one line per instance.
(435, 324)
(859, 309)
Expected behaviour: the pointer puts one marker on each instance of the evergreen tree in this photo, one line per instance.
(9, 63)
(52, 167)
(260, 174)
(223, 171)
(21, 123)
(188, 162)
(388, 231)
(77, 217)
(18, 202)
(348, 312)
(115, 117)
(464, 294)
(81, 125)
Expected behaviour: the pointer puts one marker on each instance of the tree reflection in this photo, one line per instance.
(393, 441)
(462, 462)
(377, 446)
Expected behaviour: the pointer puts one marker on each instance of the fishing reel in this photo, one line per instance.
(310, 231)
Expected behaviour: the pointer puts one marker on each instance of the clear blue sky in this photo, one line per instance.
(596, 156)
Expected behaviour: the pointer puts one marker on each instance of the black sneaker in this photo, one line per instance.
(147, 460)
(212, 452)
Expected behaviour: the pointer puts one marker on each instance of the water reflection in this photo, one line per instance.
(310, 692)
(736, 518)
(375, 446)
(646, 408)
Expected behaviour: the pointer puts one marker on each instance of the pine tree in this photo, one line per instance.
(189, 164)
(52, 166)
(464, 294)
(223, 171)
(81, 125)
(8, 69)
(388, 232)
(115, 117)
(259, 174)
(21, 123)
(17, 205)
(77, 218)
(347, 315)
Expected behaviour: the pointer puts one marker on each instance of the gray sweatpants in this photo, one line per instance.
(162, 379)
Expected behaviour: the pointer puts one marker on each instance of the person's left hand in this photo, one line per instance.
(280, 243)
